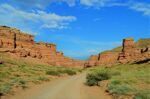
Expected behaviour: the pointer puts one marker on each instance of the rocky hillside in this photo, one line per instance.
(130, 51)
(141, 43)
(19, 44)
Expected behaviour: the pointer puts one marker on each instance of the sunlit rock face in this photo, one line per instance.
(14, 38)
(21, 44)
(91, 61)
(131, 52)
(108, 58)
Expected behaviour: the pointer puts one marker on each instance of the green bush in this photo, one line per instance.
(53, 72)
(4, 89)
(91, 81)
(22, 82)
(118, 88)
(2, 65)
(97, 75)
(70, 72)
(142, 95)
(43, 78)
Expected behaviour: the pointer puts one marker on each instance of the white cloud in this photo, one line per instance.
(69, 2)
(136, 6)
(41, 4)
(132, 4)
(95, 3)
(9, 14)
(141, 7)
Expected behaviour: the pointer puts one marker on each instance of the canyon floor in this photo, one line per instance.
(66, 88)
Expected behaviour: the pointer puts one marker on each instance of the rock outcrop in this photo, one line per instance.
(131, 52)
(21, 44)
(107, 58)
(92, 61)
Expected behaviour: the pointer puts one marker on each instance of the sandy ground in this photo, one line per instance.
(66, 88)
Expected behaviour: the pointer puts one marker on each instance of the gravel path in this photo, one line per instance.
(66, 88)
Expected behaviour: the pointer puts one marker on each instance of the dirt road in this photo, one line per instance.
(66, 88)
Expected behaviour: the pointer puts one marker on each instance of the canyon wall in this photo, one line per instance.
(21, 44)
(131, 53)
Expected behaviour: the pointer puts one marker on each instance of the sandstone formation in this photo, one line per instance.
(92, 61)
(21, 44)
(107, 58)
(131, 52)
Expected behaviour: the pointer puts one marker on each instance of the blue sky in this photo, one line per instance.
(79, 27)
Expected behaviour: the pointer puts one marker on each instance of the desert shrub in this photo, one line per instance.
(1, 65)
(53, 72)
(22, 82)
(22, 65)
(43, 78)
(115, 73)
(70, 72)
(4, 89)
(17, 81)
(36, 81)
(119, 88)
(97, 75)
(142, 95)
(80, 70)
(4, 74)
(91, 81)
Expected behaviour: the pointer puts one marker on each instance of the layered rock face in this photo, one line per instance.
(22, 45)
(107, 58)
(13, 38)
(131, 52)
(92, 61)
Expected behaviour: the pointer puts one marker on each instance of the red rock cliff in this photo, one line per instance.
(131, 52)
(22, 45)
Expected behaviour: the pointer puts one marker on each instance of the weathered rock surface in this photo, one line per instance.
(131, 52)
(22, 45)
(15, 42)
(107, 58)
(92, 61)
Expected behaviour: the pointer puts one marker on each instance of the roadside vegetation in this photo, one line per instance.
(20, 73)
(128, 80)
